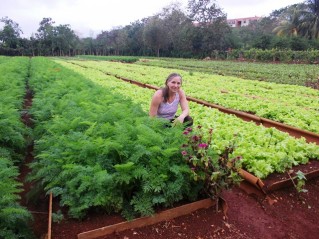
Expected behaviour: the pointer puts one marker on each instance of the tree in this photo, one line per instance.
(88, 46)
(45, 36)
(298, 43)
(33, 43)
(65, 39)
(300, 20)
(290, 22)
(211, 25)
(154, 34)
(262, 42)
(135, 44)
(310, 22)
(115, 40)
(281, 42)
(10, 36)
(101, 43)
(120, 40)
(204, 11)
(177, 26)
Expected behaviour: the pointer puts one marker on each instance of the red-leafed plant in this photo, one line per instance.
(217, 172)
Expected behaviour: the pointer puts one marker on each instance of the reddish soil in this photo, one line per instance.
(247, 215)
(313, 84)
(288, 214)
(293, 215)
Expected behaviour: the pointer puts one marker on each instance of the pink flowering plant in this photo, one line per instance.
(216, 172)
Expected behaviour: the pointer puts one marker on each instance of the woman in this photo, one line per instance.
(165, 101)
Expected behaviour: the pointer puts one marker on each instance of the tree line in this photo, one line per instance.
(199, 31)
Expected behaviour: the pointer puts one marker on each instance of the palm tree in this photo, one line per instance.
(310, 21)
(290, 21)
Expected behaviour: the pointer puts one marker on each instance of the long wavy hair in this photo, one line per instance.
(165, 89)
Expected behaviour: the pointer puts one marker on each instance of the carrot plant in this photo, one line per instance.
(14, 219)
(13, 73)
(99, 150)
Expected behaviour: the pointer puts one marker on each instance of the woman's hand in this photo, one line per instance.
(180, 119)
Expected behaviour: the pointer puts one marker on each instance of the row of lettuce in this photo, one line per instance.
(290, 104)
(14, 218)
(293, 74)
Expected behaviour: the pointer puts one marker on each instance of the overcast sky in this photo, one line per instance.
(90, 17)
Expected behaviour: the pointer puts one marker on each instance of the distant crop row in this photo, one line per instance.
(294, 74)
(127, 59)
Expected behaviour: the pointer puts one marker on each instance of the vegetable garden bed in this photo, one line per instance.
(72, 118)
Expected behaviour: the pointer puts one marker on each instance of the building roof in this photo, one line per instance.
(244, 18)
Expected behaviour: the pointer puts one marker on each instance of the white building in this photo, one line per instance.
(241, 22)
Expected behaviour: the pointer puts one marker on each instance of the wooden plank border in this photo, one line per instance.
(288, 182)
(146, 221)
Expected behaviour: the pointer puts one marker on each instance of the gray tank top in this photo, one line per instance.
(168, 110)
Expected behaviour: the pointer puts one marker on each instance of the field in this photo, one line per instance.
(88, 140)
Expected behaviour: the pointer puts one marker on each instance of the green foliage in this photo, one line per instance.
(13, 73)
(299, 181)
(57, 216)
(216, 172)
(126, 59)
(263, 150)
(293, 104)
(292, 74)
(10, 34)
(297, 54)
(98, 150)
(14, 218)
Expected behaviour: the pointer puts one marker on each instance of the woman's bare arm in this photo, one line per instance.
(184, 106)
(156, 101)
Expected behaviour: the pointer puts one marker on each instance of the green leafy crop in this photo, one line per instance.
(99, 150)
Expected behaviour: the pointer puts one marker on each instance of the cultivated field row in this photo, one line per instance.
(293, 105)
(264, 150)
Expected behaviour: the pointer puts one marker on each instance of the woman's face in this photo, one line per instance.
(174, 84)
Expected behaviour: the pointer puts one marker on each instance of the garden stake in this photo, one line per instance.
(50, 216)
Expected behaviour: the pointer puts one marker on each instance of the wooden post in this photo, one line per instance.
(50, 216)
